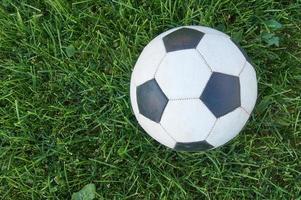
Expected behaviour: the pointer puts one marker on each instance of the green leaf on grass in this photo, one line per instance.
(237, 36)
(273, 24)
(270, 39)
(70, 50)
(87, 193)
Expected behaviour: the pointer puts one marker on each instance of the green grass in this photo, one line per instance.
(65, 116)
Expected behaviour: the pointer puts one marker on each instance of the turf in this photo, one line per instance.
(65, 116)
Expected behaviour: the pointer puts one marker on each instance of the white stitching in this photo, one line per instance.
(245, 110)
(167, 133)
(243, 67)
(159, 65)
(184, 99)
(211, 130)
(203, 58)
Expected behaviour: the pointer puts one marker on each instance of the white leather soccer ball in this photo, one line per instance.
(193, 88)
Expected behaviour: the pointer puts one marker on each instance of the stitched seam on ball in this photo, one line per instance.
(245, 110)
(243, 67)
(159, 65)
(203, 58)
(211, 129)
(168, 133)
(185, 99)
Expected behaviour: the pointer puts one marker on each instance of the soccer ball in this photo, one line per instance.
(193, 88)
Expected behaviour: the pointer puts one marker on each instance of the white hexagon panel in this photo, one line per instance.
(248, 87)
(133, 97)
(156, 131)
(187, 121)
(224, 130)
(181, 70)
(221, 54)
(148, 62)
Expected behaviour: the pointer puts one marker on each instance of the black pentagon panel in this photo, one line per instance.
(193, 146)
(184, 38)
(221, 94)
(242, 51)
(151, 100)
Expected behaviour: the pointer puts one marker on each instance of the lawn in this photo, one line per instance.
(65, 114)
